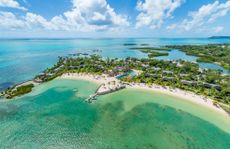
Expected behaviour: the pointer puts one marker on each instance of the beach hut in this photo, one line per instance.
(168, 78)
(186, 82)
(156, 68)
(167, 72)
(209, 85)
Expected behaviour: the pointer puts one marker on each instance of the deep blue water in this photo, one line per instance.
(22, 59)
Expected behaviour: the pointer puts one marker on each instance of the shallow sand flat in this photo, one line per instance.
(58, 117)
(134, 97)
(183, 95)
(179, 100)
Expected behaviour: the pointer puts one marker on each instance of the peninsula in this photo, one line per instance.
(213, 53)
(175, 77)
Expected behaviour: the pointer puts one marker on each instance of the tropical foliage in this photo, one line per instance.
(217, 53)
(175, 74)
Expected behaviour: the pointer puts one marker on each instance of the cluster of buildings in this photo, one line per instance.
(119, 71)
(124, 70)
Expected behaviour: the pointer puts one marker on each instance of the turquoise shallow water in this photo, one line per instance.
(55, 115)
(22, 59)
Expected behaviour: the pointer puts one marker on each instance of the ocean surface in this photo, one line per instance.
(55, 115)
(22, 59)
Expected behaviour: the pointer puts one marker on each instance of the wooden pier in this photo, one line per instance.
(91, 97)
(105, 89)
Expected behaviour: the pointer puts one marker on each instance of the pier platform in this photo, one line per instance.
(106, 88)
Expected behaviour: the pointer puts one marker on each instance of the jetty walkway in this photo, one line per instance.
(106, 88)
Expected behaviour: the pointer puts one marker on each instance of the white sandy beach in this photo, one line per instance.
(181, 94)
(184, 95)
(99, 79)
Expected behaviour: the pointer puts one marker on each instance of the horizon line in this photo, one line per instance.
(69, 38)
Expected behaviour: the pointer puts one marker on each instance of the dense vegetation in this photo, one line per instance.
(155, 54)
(208, 53)
(152, 51)
(175, 74)
(151, 48)
(219, 37)
(18, 91)
(144, 44)
(129, 44)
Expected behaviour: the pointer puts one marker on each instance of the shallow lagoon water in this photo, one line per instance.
(55, 115)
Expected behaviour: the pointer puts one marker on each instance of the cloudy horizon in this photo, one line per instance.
(114, 18)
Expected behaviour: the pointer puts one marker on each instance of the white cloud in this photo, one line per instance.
(34, 20)
(85, 15)
(218, 29)
(10, 21)
(209, 30)
(11, 4)
(171, 27)
(220, 11)
(206, 14)
(153, 12)
(95, 13)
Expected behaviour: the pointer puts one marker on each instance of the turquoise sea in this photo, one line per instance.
(22, 59)
(55, 115)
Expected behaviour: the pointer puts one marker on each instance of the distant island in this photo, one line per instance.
(221, 37)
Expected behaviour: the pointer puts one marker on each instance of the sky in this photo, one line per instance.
(114, 18)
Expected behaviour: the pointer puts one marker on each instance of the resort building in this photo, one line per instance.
(73, 67)
(183, 75)
(209, 85)
(186, 82)
(38, 80)
(152, 75)
(145, 65)
(167, 72)
(168, 78)
(156, 68)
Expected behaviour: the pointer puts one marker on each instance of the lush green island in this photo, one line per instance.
(152, 51)
(18, 90)
(151, 48)
(213, 53)
(219, 37)
(175, 74)
(144, 44)
(129, 44)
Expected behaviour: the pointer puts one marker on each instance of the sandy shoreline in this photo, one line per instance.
(185, 95)
(98, 79)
